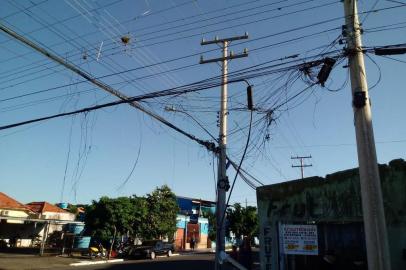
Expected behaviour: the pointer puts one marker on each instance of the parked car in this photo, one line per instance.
(150, 249)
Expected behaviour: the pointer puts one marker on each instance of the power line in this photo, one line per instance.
(107, 88)
(220, 22)
(260, 20)
(279, 33)
(216, 49)
(109, 75)
(295, 29)
(230, 27)
(192, 55)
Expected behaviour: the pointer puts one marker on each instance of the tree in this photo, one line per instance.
(72, 209)
(150, 217)
(106, 215)
(212, 225)
(140, 215)
(162, 211)
(242, 221)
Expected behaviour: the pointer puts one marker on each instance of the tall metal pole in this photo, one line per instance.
(222, 180)
(371, 193)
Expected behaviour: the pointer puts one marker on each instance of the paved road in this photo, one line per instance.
(186, 262)
(200, 261)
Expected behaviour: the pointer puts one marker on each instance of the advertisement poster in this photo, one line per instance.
(299, 239)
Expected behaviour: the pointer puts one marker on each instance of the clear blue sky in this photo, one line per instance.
(95, 152)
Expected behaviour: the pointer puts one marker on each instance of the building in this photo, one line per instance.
(305, 223)
(47, 211)
(12, 208)
(195, 207)
(29, 225)
(13, 229)
(192, 222)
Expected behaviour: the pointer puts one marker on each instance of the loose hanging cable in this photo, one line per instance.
(238, 169)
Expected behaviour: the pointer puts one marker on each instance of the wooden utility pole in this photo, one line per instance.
(302, 165)
(371, 193)
(222, 180)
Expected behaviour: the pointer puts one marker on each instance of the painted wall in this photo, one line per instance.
(14, 213)
(335, 199)
(186, 228)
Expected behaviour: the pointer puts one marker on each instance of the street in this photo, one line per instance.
(190, 261)
(195, 262)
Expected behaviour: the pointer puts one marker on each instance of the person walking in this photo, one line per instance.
(192, 242)
(245, 255)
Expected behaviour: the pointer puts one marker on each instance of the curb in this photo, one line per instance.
(82, 263)
(197, 253)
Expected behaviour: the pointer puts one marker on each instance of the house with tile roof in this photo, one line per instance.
(12, 221)
(23, 224)
(9, 207)
(46, 211)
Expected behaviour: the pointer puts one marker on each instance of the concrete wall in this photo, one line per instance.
(334, 199)
(57, 216)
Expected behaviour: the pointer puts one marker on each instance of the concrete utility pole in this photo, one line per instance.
(302, 165)
(371, 193)
(222, 180)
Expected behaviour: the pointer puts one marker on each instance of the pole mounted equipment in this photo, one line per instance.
(325, 70)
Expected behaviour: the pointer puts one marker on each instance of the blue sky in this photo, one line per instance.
(95, 152)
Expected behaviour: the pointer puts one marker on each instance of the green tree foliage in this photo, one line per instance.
(150, 217)
(103, 215)
(242, 221)
(212, 225)
(162, 211)
(72, 209)
(140, 215)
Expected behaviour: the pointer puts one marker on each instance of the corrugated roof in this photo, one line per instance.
(7, 202)
(41, 207)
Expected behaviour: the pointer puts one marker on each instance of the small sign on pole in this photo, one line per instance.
(299, 239)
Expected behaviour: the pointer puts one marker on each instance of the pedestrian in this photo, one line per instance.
(245, 255)
(234, 253)
(192, 243)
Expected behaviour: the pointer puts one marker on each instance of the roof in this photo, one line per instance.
(41, 207)
(195, 200)
(7, 202)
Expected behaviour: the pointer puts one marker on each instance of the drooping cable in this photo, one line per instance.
(238, 170)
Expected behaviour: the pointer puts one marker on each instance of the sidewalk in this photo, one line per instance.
(196, 251)
(9, 261)
(22, 261)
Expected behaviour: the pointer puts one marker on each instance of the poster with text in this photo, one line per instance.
(299, 239)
